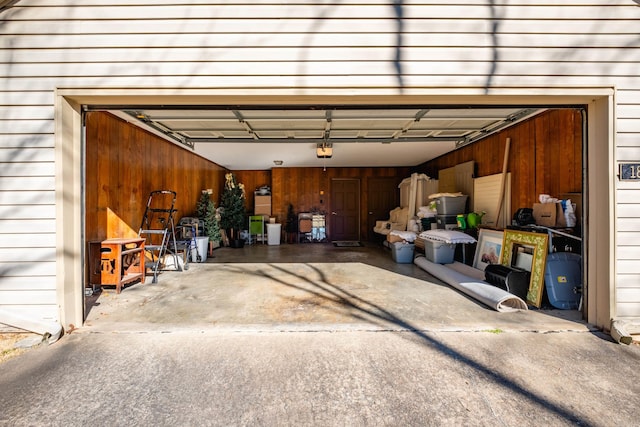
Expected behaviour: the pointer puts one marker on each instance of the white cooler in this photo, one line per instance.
(273, 234)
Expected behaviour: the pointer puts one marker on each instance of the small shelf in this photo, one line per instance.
(131, 277)
(121, 262)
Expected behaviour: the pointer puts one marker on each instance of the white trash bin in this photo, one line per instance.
(273, 234)
(203, 247)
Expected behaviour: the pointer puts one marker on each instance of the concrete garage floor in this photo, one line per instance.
(310, 286)
(312, 335)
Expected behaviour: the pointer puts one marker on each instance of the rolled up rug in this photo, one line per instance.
(494, 297)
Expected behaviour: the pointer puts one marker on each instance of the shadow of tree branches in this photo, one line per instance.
(323, 288)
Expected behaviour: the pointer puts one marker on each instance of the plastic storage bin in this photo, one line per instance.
(426, 222)
(273, 234)
(402, 253)
(439, 252)
(563, 279)
(451, 205)
(446, 222)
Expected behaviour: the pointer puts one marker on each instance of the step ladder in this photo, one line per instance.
(158, 230)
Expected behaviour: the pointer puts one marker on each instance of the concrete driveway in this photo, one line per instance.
(310, 343)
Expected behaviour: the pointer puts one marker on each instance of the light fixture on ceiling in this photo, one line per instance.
(278, 162)
(324, 150)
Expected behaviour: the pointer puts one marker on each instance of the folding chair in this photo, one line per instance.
(305, 226)
(256, 228)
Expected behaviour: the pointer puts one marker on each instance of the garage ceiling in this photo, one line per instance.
(259, 138)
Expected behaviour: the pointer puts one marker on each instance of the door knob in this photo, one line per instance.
(370, 213)
(334, 213)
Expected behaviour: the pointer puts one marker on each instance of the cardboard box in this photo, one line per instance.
(392, 238)
(262, 205)
(549, 215)
(576, 201)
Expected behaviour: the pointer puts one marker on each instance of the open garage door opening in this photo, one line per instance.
(132, 150)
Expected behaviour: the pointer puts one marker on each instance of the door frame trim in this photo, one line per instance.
(600, 190)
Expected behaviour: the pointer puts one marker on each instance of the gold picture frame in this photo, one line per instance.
(535, 247)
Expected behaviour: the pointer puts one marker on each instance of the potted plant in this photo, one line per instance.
(209, 216)
(232, 203)
(291, 226)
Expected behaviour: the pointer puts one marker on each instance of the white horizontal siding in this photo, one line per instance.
(27, 197)
(629, 253)
(28, 240)
(29, 269)
(26, 155)
(627, 292)
(346, 81)
(628, 111)
(442, 10)
(13, 212)
(205, 54)
(33, 3)
(627, 96)
(311, 45)
(26, 183)
(27, 283)
(27, 226)
(239, 41)
(27, 141)
(372, 66)
(45, 312)
(336, 24)
(27, 169)
(17, 254)
(16, 98)
(628, 238)
(26, 112)
(628, 281)
(34, 297)
(628, 309)
(26, 126)
(382, 67)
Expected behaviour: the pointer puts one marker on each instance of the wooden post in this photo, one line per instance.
(505, 164)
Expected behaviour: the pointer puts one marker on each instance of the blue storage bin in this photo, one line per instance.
(402, 253)
(563, 280)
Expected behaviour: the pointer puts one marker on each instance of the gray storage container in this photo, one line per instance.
(446, 222)
(451, 205)
(402, 253)
(439, 252)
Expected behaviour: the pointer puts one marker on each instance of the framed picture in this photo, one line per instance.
(523, 247)
(488, 249)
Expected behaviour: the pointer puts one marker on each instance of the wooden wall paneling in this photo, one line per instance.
(277, 197)
(301, 187)
(252, 179)
(129, 164)
(545, 156)
(578, 138)
(541, 154)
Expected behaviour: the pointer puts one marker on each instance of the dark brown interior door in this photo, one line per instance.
(382, 196)
(345, 209)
